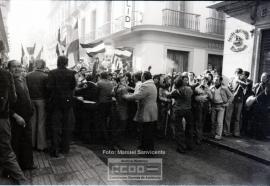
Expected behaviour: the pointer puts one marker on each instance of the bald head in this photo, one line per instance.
(264, 77)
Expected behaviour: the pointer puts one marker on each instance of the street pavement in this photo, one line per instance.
(207, 164)
(80, 167)
(258, 150)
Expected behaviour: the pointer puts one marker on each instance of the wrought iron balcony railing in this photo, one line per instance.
(180, 19)
(214, 25)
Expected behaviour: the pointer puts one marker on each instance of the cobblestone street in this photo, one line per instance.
(80, 167)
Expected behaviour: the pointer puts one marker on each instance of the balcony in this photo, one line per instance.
(215, 26)
(180, 19)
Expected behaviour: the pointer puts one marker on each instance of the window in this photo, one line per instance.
(176, 5)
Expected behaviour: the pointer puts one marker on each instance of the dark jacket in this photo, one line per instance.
(105, 88)
(37, 84)
(61, 85)
(89, 93)
(183, 98)
(23, 106)
(7, 92)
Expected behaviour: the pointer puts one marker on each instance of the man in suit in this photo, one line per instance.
(7, 156)
(147, 112)
(61, 86)
(37, 82)
(21, 112)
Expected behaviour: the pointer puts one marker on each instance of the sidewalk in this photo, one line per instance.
(254, 149)
(80, 167)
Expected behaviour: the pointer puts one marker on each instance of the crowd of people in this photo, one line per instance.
(41, 110)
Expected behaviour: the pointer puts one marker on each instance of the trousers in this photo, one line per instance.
(7, 156)
(147, 135)
(232, 118)
(22, 143)
(38, 122)
(201, 111)
(62, 121)
(184, 137)
(217, 117)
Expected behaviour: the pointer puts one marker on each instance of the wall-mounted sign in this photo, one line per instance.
(238, 39)
(128, 13)
(264, 11)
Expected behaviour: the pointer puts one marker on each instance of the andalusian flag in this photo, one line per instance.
(31, 50)
(39, 54)
(94, 48)
(61, 45)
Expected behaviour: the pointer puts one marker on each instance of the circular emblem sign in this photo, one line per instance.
(238, 39)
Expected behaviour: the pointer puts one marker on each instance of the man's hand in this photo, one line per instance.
(20, 121)
(125, 96)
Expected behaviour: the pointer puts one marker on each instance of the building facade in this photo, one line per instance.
(247, 36)
(4, 39)
(166, 35)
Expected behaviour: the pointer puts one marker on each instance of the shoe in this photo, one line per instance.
(33, 167)
(54, 154)
(5, 174)
(217, 137)
(198, 142)
(64, 151)
(236, 135)
(227, 134)
(180, 150)
(22, 182)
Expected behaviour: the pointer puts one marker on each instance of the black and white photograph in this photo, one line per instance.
(99, 92)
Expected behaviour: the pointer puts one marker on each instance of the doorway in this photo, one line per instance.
(264, 65)
(215, 62)
(177, 61)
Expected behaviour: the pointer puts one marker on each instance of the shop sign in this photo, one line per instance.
(265, 11)
(128, 13)
(238, 39)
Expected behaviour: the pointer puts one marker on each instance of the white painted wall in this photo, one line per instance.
(233, 60)
(152, 13)
(199, 62)
(151, 49)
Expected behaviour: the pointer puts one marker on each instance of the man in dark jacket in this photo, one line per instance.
(7, 156)
(105, 88)
(21, 112)
(37, 82)
(234, 109)
(61, 85)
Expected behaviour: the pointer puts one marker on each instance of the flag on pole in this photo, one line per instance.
(57, 50)
(61, 45)
(94, 48)
(31, 50)
(73, 47)
(39, 54)
(23, 54)
(122, 53)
